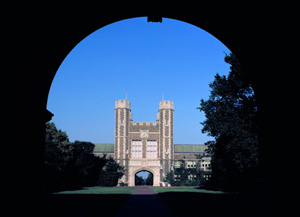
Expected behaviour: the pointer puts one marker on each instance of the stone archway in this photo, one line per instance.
(48, 44)
(143, 180)
(134, 171)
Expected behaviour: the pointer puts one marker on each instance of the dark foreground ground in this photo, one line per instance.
(145, 202)
(209, 205)
(80, 205)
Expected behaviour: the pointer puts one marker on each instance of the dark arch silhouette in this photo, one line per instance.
(49, 35)
(147, 181)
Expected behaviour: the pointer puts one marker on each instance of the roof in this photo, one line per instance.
(104, 148)
(179, 148)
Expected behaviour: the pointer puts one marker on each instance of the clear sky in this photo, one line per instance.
(173, 58)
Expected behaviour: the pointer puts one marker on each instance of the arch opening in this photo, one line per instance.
(93, 66)
(87, 34)
(37, 99)
(143, 178)
(140, 48)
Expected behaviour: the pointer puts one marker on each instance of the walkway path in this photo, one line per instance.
(144, 202)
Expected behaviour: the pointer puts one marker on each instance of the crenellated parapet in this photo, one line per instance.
(137, 123)
(122, 104)
(166, 105)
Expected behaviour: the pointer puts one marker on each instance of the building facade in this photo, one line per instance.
(147, 146)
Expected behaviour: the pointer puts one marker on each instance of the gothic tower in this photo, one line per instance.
(122, 123)
(166, 137)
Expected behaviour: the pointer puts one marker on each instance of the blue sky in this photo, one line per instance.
(146, 59)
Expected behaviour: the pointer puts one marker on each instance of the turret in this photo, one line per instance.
(122, 104)
(122, 122)
(166, 139)
(166, 105)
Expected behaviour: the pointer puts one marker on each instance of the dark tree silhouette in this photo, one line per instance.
(230, 115)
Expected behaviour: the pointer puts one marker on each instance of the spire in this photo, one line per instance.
(126, 95)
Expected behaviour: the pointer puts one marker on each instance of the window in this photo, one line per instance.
(167, 123)
(151, 149)
(122, 121)
(191, 164)
(192, 177)
(177, 164)
(136, 148)
(177, 177)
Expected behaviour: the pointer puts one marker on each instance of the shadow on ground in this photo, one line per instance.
(204, 204)
(150, 205)
(181, 204)
(89, 205)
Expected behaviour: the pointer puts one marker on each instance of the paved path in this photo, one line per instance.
(144, 202)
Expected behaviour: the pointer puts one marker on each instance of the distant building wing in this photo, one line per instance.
(179, 148)
(182, 148)
(104, 148)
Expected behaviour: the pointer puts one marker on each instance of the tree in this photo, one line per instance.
(58, 154)
(85, 167)
(230, 115)
(184, 176)
(149, 179)
(74, 164)
(69, 164)
(139, 180)
(58, 150)
(110, 173)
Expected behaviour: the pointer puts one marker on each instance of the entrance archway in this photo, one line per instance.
(144, 173)
(143, 177)
(127, 83)
(48, 52)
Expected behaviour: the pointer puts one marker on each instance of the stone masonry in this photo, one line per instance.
(144, 146)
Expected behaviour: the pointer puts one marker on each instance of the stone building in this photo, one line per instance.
(149, 146)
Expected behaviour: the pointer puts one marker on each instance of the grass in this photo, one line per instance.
(100, 190)
(185, 189)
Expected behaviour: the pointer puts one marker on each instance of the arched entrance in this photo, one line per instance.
(129, 158)
(143, 177)
(48, 52)
(154, 178)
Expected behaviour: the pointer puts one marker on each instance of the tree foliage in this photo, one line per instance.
(184, 176)
(149, 179)
(58, 150)
(110, 173)
(84, 168)
(138, 180)
(230, 115)
(69, 165)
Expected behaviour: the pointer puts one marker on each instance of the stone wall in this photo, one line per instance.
(162, 131)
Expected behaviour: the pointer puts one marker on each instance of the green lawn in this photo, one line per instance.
(100, 190)
(185, 189)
